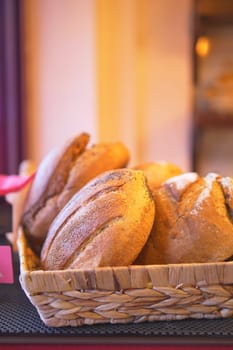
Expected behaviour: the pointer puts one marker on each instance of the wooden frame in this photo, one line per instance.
(11, 116)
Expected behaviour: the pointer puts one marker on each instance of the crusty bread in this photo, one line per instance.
(194, 221)
(52, 177)
(105, 224)
(63, 172)
(94, 161)
(158, 172)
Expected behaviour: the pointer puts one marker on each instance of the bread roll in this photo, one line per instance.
(105, 224)
(60, 175)
(52, 178)
(193, 221)
(158, 172)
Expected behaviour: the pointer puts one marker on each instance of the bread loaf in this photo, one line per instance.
(158, 172)
(60, 175)
(194, 221)
(105, 224)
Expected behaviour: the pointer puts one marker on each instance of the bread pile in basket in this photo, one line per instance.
(87, 208)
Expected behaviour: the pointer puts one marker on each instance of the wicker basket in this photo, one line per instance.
(126, 294)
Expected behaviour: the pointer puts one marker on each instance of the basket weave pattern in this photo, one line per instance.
(126, 294)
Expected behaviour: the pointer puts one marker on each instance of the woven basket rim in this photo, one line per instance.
(34, 279)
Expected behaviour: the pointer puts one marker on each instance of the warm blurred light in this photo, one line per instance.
(202, 46)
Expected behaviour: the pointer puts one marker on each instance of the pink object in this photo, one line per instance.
(6, 267)
(13, 183)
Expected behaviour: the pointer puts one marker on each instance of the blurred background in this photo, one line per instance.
(154, 74)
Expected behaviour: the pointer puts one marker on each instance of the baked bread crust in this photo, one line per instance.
(158, 172)
(193, 221)
(51, 179)
(61, 174)
(105, 224)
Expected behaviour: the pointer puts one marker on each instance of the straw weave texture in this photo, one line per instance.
(126, 294)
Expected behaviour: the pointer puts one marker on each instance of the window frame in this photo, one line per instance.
(11, 87)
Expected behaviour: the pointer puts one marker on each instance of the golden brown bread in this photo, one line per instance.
(194, 221)
(105, 224)
(158, 172)
(60, 175)
(52, 177)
